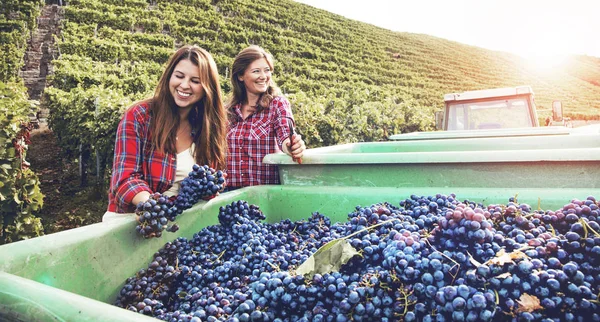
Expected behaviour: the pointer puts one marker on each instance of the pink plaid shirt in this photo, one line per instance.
(251, 139)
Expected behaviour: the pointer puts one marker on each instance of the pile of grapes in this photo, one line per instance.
(155, 213)
(427, 259)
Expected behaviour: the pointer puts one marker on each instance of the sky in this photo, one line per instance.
(535, 29)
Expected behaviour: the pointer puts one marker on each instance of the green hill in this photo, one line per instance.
(348, 81)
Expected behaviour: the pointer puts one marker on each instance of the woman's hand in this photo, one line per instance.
(294, 147)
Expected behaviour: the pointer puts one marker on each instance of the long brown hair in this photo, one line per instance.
(241, 62)
(208, 117)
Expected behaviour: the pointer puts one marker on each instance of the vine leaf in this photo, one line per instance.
(473, 260)
(528, 303)
(504, 275)
(502, 257)
(329, 258)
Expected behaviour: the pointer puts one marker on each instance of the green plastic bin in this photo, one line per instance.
(462, 134)
(74, 275)
(537, 161)
(532, 142)
(509, 132)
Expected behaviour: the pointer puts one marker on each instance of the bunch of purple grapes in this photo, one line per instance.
(431, 258)
(153, 216)
(201, 182)
(239, 211)
(151, 287)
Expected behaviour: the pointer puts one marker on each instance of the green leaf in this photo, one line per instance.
(329, 258)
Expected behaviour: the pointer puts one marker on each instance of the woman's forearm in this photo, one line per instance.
(140, 197)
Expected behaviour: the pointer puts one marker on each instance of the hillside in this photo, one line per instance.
(348, 81)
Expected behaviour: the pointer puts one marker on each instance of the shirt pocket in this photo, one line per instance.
(260, 131)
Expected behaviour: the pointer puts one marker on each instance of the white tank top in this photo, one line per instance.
(185, 162)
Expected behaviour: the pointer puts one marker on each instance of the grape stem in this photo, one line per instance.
(586, 226)
(370, 227)
(448, 257)
(553, 231)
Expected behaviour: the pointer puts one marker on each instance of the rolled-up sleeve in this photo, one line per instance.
(283, 112)
(128, 175)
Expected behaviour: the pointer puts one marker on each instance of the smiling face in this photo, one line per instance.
(257, 77)
(185, 85)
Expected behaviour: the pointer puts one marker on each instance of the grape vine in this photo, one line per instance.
(20, 195)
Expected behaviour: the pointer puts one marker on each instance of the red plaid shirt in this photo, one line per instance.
(136, 166)
(251, 139)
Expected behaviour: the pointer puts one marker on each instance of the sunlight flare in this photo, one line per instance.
(546, 62)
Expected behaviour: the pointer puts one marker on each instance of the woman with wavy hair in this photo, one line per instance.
(159, 139)
(259, 121)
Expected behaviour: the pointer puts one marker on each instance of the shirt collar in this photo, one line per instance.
(237, 109)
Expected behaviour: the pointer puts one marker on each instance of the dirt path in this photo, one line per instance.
(66, 204)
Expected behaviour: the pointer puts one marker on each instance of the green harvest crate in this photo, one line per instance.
(74, 275)
(510, 132)
(531, 142)
(540, 161)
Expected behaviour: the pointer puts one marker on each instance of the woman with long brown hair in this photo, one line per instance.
(159, 139)
(259, 121)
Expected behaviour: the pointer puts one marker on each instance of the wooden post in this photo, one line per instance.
(84, 156)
